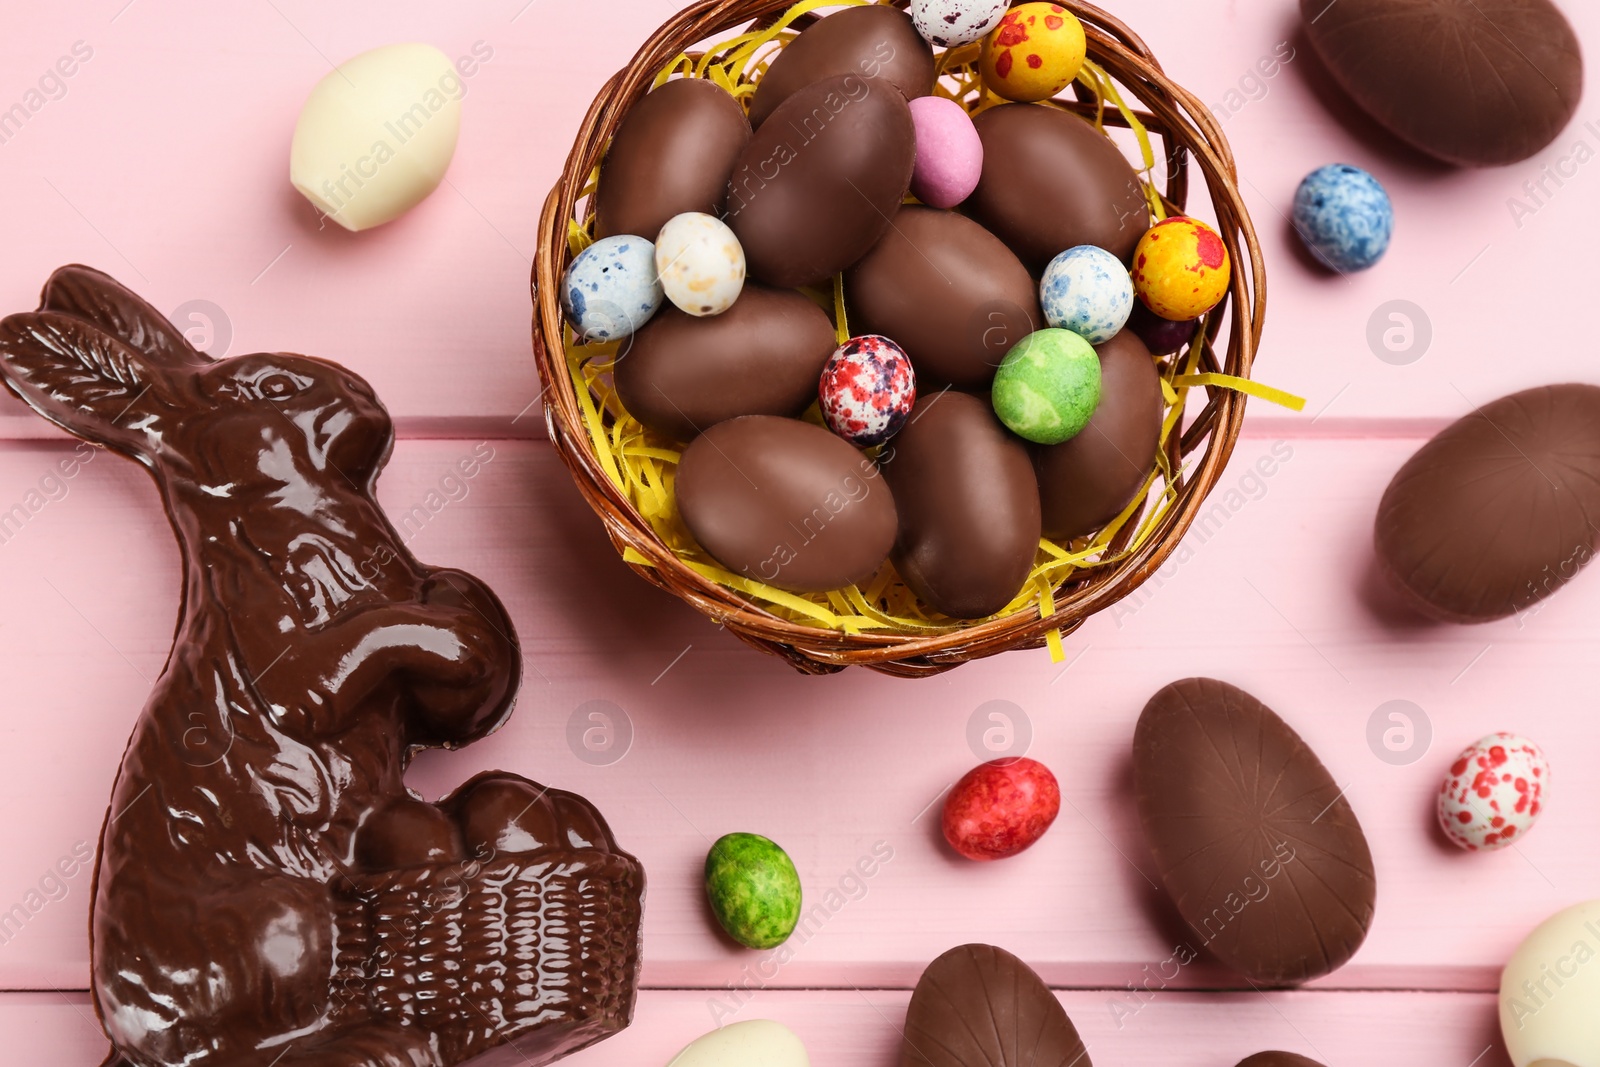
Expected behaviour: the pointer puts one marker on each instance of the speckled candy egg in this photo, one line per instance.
(1047, 387)
(611, 289)
(948, 23)
(867, 391)
(701, 264)
(1034, 53)
(1181, 268)
(1001, 808)
(1344, 217)
(949, 152)
(753, 888)
(1494, 792)
(1161, 336)
(1087, 290)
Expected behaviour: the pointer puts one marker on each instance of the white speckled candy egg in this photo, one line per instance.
(1494, 792)
(611, 289)
(948, 23)
(701, 263)
(1087, 290)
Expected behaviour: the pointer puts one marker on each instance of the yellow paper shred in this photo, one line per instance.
(1247, 386)
(841, 324)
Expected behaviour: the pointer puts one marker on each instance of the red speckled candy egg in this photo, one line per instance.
(1494, 792)
(1181, 268)
(867, 391)
(1001, 808)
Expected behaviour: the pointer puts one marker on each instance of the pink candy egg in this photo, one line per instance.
(867, 390)
(1494, 792)
(949, 152)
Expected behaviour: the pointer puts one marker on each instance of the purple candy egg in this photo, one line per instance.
(867, 390)
(949, 152)
(1161, 336)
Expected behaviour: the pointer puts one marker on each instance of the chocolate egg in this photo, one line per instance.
(871, 42)
(1475, 82)
(1051, 182)
(1278, 1059)
(948, 292)
(672, 154)
(968, 504)
(1495, 513)
(787, 503)
(1084, 483)
(762, 356)
(1252, 837)
(980, 1006)
(821, 181)
(407, 833)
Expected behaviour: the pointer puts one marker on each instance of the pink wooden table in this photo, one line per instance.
(163, 160)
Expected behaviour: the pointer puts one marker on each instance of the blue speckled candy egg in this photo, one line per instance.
(611, 289)
(1087, 290)
(1344, 216)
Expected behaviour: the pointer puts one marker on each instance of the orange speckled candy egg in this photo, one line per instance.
(1034, 53)
(1181, 268)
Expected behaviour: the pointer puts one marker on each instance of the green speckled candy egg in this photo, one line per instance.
(754, 890)
(1048, 386)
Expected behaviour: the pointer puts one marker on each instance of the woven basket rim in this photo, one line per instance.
(1190, 135)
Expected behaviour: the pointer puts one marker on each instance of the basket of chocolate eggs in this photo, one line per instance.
(881, 334)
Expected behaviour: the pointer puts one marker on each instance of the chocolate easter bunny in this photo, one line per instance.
(268, 892)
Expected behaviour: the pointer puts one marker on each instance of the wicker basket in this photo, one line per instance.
(1176, 120)
(538, 953)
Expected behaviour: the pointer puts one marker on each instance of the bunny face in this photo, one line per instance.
(99, 361)
(309, 417)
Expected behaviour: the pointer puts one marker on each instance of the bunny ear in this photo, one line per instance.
(84, 380)
(110, 307)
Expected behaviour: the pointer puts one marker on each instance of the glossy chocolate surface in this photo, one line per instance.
(1498, 511)
(980, 1006)
(1252, 837)
(673, 153)
(763, 356)
(267, 890)
(1476, 82)
(872, 42)
(1084, 483)
(1052, 182)
(968, 504)
(787, 503)
(948, 292)
(822, 179)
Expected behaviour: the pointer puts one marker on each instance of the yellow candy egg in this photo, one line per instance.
(1181, 268)
(1034, 53)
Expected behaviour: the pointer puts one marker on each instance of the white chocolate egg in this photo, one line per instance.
(1493, 793)
(1549, 990)
(376, 135)
(753, 1043)
(701, 264)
